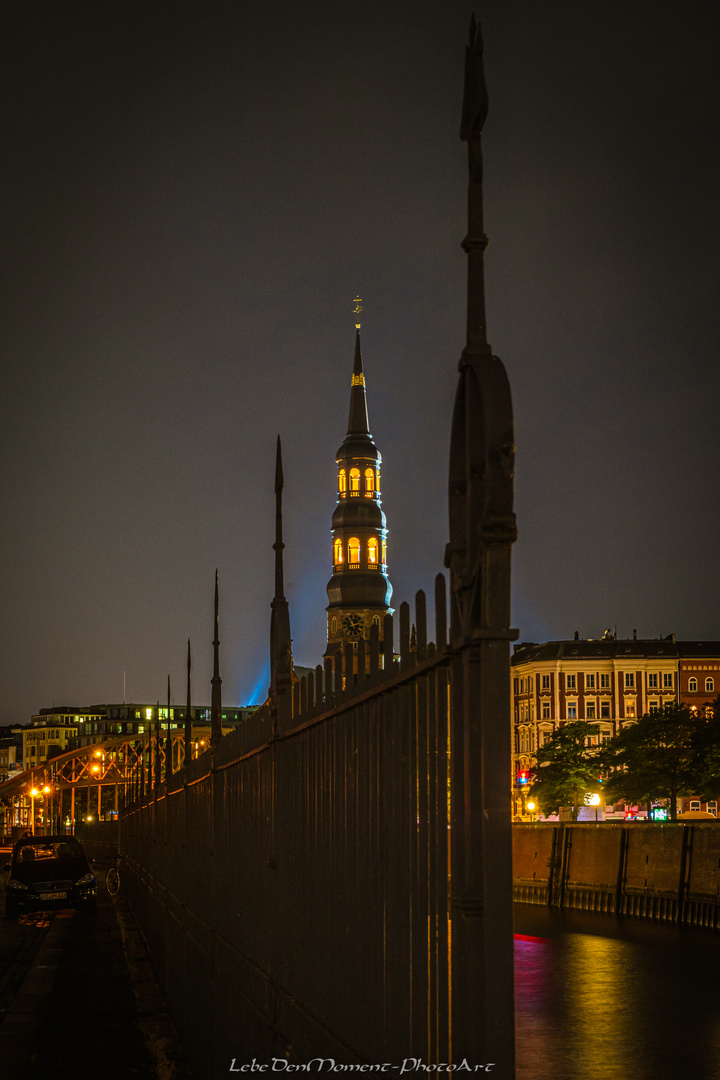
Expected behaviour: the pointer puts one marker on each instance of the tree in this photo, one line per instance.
(567, 768)
(658, 757)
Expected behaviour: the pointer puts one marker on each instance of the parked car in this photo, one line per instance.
(49, 872)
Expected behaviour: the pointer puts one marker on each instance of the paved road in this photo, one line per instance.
(78, 999)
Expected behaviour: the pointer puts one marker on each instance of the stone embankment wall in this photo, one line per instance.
(658, 870)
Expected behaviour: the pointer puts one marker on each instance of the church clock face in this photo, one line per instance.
(352, 625)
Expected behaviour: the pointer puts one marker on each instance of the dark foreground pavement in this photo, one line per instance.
(80, 1001)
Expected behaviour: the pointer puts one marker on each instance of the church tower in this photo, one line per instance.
(359, 590)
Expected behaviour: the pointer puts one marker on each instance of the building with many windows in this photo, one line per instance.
(699, 672)
(135, 719)
(50, 733)
(53, 731)
(608, 681)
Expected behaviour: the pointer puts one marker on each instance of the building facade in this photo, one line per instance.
(359, 590)
(609, 681)
(72, 728)
(140, 719)
(51, 732)
(8, 758)
(699, 672)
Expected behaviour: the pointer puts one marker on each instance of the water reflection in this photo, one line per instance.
(617, 998)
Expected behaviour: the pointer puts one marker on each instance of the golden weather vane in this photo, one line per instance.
(357, 309)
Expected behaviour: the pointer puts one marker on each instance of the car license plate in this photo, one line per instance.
(53, 896)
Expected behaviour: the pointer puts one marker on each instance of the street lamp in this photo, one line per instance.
(33, 795)
(48, 808)
(531, 808)
(594, 801)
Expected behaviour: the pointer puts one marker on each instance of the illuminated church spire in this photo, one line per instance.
(359, 590)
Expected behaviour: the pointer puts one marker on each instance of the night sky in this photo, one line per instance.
(193, 194)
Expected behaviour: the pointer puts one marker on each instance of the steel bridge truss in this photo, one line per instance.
(110, 774)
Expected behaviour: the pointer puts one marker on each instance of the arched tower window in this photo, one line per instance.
(372, 549)
(354, 550)
(384, 552)
(354, 481)
(338, 551)
(334, 625)
(369, 483)
(709, 686)
(342, 482)
(692, 686)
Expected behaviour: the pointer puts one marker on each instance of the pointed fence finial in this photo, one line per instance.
(357, 309)
(216, 681)
(168, 743)
(188, 714)
(482, 445)
(475, 99)
(278, 546)
(474, 112)
(280, 641)
(156, 771)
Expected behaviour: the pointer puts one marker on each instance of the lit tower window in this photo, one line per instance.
(372, 551)
(338, 551)
(369, 483)
(354, 550)
(342, 482)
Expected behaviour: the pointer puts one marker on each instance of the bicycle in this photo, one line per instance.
(112, 878)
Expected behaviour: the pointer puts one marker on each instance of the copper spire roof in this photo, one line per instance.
(358, 419)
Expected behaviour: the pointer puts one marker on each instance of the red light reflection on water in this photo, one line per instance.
(534, 967)
(535, 993)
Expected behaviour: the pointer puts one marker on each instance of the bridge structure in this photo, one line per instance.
(95, 782)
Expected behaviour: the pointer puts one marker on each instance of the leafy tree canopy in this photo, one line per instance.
(567, 770)
(665, 754)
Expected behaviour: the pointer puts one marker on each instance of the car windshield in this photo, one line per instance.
(39, 852)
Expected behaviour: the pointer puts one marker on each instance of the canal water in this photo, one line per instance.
(598, 996)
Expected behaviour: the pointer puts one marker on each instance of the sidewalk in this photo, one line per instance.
(89, 1006)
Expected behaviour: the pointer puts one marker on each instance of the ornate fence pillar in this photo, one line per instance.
(482, 531)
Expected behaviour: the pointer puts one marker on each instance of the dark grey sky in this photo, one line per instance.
(193, 195)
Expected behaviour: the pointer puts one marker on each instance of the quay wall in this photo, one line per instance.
(657, 870)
